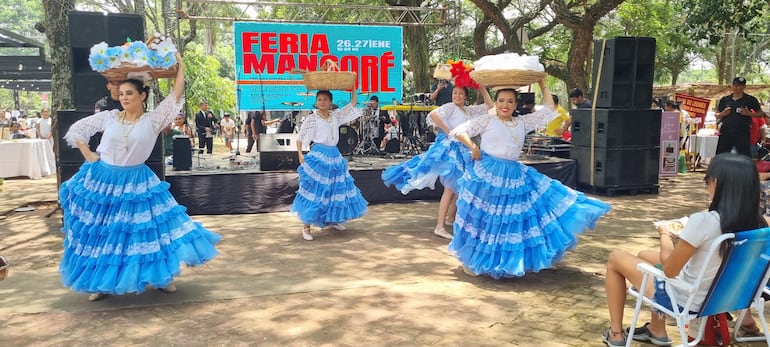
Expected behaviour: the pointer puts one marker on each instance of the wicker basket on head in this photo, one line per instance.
(331, 79)
(119, 73)
(507, 78)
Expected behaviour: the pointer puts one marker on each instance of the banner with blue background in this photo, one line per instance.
(268, 55)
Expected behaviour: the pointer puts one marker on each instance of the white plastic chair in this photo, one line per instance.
(738, 285)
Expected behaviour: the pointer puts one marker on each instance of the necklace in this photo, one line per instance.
(510, 126)
(123, 128)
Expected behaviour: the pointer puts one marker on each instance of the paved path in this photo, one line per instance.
(387, 281)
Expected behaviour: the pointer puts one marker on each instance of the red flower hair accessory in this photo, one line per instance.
(461, 74)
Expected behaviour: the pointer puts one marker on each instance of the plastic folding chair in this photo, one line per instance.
(738, 285)
(759, 306)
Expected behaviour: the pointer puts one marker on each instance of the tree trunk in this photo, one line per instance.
(416, 49)
(417, 55)
(139, 7)
(56, 31)
(721, 64)
(579, 58)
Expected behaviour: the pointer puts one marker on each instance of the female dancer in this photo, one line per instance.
(446, 158)
(123, 229)
(512, 219)
(733, 187)
(327, 195)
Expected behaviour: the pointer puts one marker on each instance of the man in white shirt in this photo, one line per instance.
(228, 130)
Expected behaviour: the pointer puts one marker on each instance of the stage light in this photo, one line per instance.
(21, 67)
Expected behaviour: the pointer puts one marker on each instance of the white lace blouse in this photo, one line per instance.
(125, 144)
(452, 115)
(318, 130)
(504, 139)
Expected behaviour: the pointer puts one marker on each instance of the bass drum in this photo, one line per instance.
(348, 140)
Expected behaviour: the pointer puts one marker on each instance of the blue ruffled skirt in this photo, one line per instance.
(446, 159)
(123, 231)
(327, 194)
(511, 219)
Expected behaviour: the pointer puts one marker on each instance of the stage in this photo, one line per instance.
(218, 185)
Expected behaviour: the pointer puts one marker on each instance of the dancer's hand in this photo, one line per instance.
(91, 157)
(475, 153)
(301, 158)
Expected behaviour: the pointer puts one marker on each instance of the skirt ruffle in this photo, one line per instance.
(327, 193)
(446, 159)
(124, 230)
(511, 219)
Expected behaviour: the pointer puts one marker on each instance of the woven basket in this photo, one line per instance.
(331, 79)
(506, 78)
(443, 72)
(119, 73)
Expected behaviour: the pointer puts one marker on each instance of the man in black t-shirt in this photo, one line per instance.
(442, 92)
(735, 111)
(110, 102)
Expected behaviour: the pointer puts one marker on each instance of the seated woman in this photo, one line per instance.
(733, 187)
(16, 132)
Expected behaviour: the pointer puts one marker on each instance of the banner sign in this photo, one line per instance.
(669, 144)
(268, 55)
(697, 107)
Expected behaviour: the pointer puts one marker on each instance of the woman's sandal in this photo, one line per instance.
(306, 234)
(607, 338)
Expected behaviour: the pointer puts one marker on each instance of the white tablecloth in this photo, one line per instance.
(705, 146)
(31, 158)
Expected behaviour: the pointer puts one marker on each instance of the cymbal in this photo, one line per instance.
(306, 94)
(292, 103)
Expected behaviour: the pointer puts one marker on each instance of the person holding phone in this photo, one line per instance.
(735, 112)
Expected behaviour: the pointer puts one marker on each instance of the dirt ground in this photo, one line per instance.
(386, 281)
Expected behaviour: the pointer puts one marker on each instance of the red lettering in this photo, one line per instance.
(288, 44)
(247, 40)
(308, 62)
(268, 43)
(387, 61)
(303, 44)
(368, 75)
(265, 64)
(350, 63)
(319, 44)
(285, 63)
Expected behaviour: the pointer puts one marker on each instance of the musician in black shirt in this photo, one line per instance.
(735, 112)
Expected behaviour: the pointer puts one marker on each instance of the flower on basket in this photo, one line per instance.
(165, 48)
(99, 62)
(461, 74)
(103, 57)
(137, 51)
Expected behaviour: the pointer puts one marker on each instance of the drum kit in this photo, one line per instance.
(359, 136)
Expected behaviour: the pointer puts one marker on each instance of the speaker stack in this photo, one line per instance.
(617, 145)
(87, 29)
(278, 152)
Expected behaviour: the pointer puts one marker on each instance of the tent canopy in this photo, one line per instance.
(26, 70)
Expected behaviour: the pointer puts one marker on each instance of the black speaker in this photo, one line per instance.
(157, 151)
(182, 153)
(617, 168)
(87, 89)
(67, 154)
(616, 127)
(87, 29)
(625, 77)
(278, 152)
(123, 26)
(158, 167)
(67, 170)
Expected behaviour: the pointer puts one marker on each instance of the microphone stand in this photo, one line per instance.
(237, 115)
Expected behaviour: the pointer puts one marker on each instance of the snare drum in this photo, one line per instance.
(348, 140)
